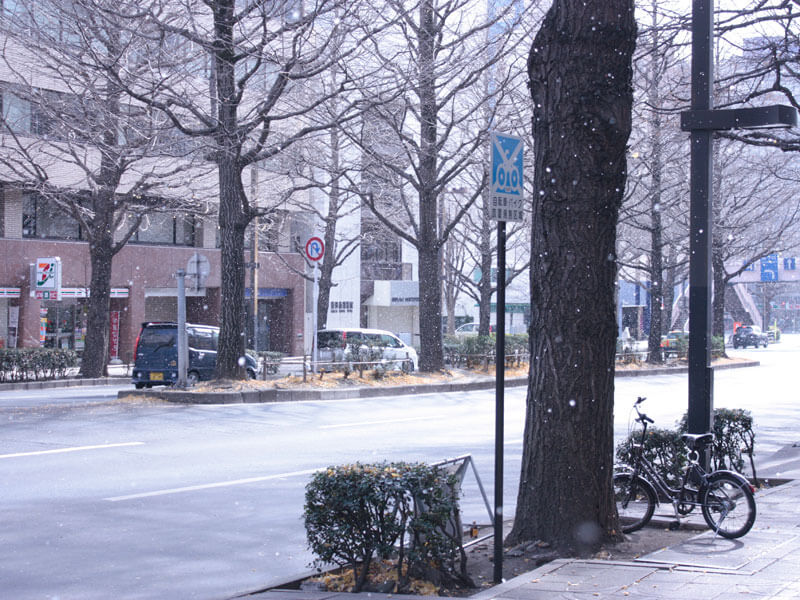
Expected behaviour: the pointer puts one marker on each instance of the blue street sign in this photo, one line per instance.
(769, 268)
(506, 188)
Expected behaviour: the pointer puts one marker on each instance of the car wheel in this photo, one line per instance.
(139, 385)
(735, 345)
(192, 377)
(251, 374)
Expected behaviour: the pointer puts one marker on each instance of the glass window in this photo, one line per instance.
(16, 113)
(390, 341)
(153, 338)
(203, 338)
(157, 229)
(330, 339)
(43, 218)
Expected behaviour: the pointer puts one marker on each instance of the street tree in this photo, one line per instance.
(435, 127)
(242, 77)
(756, 213)
(652, 228)
(72, 138)
(581, 87)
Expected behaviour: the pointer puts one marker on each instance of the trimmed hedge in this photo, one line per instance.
(480, 349)
(35, 364)
(406, 511)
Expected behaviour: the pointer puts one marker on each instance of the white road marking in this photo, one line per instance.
(73, 449)
(361, 423)
(208, 486)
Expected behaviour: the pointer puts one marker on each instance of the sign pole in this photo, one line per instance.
(182, 345)
(314, 353)
(505, 204)
(500, 372)
(315, 250)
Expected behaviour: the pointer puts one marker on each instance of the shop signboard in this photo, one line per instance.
(113, 339)
(46, 284)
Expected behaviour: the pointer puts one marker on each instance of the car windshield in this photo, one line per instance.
(156, 337)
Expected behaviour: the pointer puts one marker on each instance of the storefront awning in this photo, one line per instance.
(82, 292)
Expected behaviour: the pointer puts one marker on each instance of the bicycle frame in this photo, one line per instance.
(693, 482)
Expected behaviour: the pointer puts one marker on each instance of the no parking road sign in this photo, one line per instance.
(505, 192)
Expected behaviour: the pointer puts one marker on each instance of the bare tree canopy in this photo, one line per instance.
(84, 149)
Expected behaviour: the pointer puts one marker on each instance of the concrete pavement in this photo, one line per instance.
(764, 564)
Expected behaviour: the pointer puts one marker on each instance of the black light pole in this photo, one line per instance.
(701, 377)
(701, 121)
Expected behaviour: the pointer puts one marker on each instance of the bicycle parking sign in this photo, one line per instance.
(506, 190)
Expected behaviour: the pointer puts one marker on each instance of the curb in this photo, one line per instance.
(58, 383)
(276, 395)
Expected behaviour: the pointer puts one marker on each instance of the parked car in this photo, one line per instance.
(470, 329)
(674, 339)
(333, 345)
(156, 354)
(750, 335)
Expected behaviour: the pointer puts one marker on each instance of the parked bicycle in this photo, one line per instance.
(724, 497)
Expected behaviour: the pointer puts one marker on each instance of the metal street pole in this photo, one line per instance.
(500, 372)
(183, 350)
(701, 376)
(702, 121)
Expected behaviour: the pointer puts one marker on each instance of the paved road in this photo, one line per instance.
(144, 500)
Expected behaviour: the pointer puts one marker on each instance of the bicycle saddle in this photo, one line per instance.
(697, 440)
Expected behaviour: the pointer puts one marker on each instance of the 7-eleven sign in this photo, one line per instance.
(47, 279)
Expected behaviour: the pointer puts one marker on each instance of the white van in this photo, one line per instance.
(333, 345)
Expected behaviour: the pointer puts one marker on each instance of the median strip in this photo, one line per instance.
(208, 486)
(73, 449)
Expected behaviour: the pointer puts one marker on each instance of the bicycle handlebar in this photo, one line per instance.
(642, 417)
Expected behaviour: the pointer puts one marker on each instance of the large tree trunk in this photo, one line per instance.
(654, 353)
(429, 248)
(485, 287)
(95, 353)
(234, 213)
(328, 261)
(580, 72)
(232, 225)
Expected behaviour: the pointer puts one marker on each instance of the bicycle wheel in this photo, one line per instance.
(728, 505)
(635, 500)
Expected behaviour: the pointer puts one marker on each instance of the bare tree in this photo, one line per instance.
(655, 212)
(71, 136)
(438, 55)
(242, 76)
(581, 87)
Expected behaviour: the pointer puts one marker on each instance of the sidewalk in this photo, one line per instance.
(764, 564)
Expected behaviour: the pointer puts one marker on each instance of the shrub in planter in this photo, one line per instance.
(355, 513)
(25, 364)
(663, 448)
(271, 360)
(733, 437)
